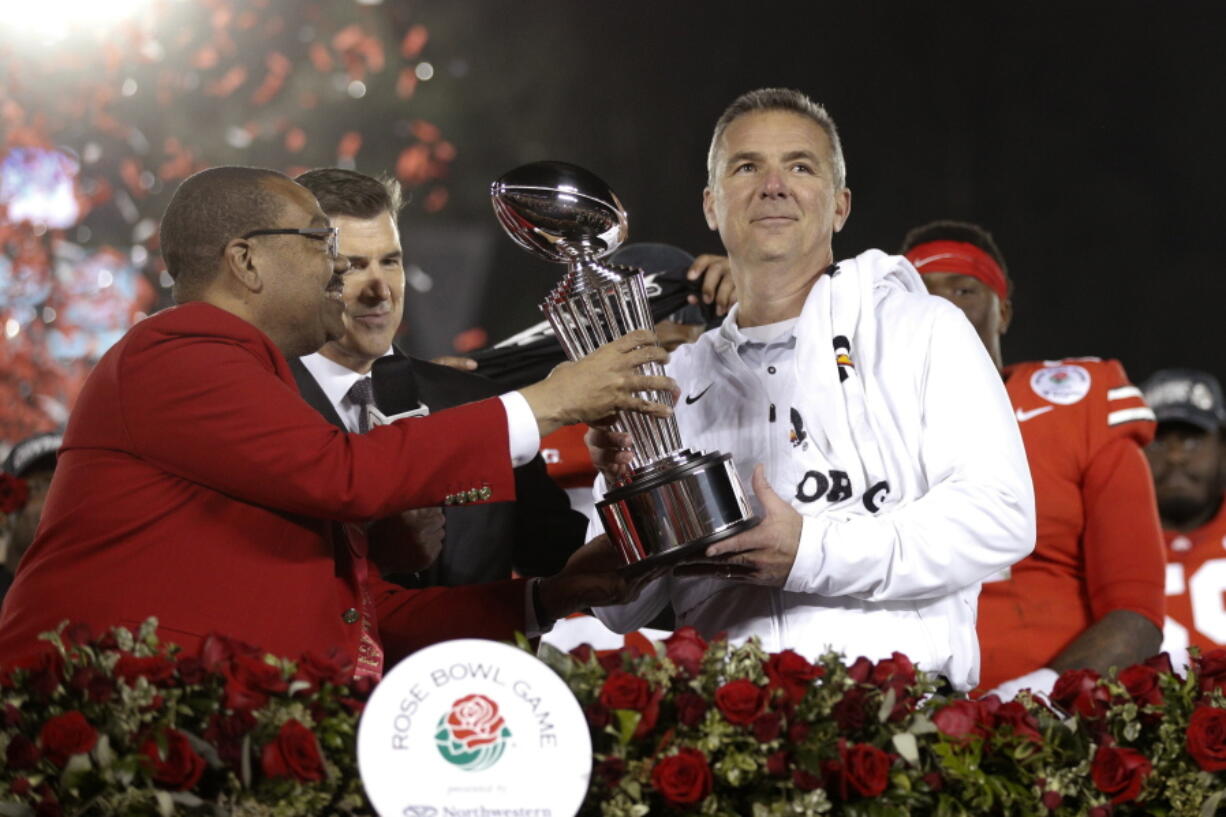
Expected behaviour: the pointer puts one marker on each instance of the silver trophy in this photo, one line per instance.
(675, 502)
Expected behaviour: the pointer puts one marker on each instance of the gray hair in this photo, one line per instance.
(780, 99)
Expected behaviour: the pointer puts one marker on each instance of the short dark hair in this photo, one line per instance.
(349, 193)
(206, 212)
(964, 231)
(780, 99)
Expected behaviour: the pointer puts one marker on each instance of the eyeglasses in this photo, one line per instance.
(328, 234)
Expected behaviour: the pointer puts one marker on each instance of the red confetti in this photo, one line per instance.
(228, 83)
(470, 339)
(295, 139)
(425, 131)
(406, 83)
(414, 41)
(349, 145)
(444, 151)
(320, 57)
(436, 200)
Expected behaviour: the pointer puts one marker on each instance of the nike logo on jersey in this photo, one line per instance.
(695, 398)
(1023, 416)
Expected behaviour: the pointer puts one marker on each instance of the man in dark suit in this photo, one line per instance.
(535, 534)
(195, 485)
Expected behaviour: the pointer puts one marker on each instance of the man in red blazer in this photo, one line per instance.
(195, 485)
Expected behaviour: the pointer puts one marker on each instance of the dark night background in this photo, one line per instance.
(1087, 137)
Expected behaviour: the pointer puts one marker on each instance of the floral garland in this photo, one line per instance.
(686, 727)
(122, 725)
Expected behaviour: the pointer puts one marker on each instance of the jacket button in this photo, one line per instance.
(350, 616)
(473, 494)
(485, 492)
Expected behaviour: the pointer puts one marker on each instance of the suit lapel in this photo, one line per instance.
(313, 394)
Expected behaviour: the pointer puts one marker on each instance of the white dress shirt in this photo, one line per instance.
(522, 432)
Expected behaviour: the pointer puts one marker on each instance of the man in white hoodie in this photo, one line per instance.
(889, 472)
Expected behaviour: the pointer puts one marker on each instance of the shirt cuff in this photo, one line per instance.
(807, 565)
(522, 430)
(532, 625)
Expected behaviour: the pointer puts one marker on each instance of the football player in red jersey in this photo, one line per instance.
(1187, 459)
(1090, 596)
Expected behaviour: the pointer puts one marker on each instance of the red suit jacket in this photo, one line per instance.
(195, 485)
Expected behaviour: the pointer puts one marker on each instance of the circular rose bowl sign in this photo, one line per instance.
(474, 728)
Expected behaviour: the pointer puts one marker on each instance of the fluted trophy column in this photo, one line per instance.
(675, 501)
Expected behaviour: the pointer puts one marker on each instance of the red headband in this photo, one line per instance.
(959, 258)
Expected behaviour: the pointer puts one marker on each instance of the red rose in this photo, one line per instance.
(934, 781)
(682, 779)
(609, 660)
(191, 670)
(895, 671)
(22, 753)
(226, 732)
(740, 701)
(597, 715)
(216, 651)
(777, 763)
(1021, 722)
(294, 753)
(1206, 738)
(793, 674)
(1141, 683)
(12, 715)
(44, 673)
(1119, 773)
(610, 770)
(767, 726)
(685, 648)
(332, 667)
(959, 720)
(1052, 800)
(66, 735)
(94, 683)
(583, 653)
(860, 670)
(21, 786)
(1160, 662)
(797, 732)
(865, 769)
(1101, 811)
(158, 669)
(1077, 692)
(849, 713)
(178, 767)
(691, 708)
(250, 680)
(649, 716)
(49, 805)
(805, 781)
(1212, 670)
(14, 493)
(625, 690)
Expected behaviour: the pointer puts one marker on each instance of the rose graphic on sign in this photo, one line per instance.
(472, 735)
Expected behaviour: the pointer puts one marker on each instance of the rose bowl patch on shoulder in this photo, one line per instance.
(1063, 384)
(474, 727)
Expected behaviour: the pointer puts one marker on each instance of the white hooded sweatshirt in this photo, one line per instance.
(898, 446)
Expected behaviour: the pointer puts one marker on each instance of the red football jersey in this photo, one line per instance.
(1099, 545)
(567, 458)
(1196, 586)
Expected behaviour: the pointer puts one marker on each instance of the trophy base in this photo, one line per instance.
(670, 511)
